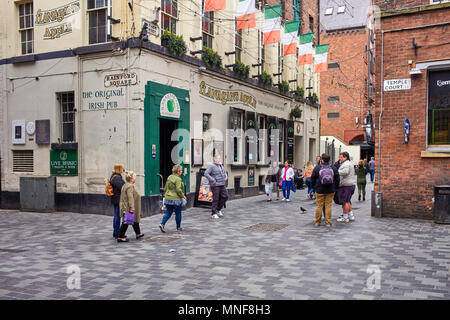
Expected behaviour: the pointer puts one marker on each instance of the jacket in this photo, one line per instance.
(289, 174)
(130, 200)
(324, 189)
(173, 189)
(347, 174)
(216, 175)
(361, 174)
(117, 183)
(273, 175)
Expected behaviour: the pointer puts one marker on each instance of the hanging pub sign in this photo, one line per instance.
(169, 106)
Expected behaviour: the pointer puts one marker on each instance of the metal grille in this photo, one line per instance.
(267, 227)
(23, 161)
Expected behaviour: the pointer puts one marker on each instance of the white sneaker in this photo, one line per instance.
(215, 216)
(220, 214)
(287, 200)
(283, 199)
(342, 219)
(351, 218)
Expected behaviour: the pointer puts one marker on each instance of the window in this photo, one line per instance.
(439, 108)
(280, 58)
(341, 9)
(23, 161)
(296, 6)
(280, 140)
(67, 104)
(311, 24)
(333, 99)
(333, 115)
(98, 25)
(169, 15)
(236, 125)
(329, 11)
(26, 27)
(262, 52)
(238, 44)
(208, 28)
(333, 65)
(261, 137)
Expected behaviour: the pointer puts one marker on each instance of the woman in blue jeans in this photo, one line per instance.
(173, 197)
(308, 173)
(287, 175)
(117, 183)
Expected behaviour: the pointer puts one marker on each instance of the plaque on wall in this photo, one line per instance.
(18, 132)
(42, 131)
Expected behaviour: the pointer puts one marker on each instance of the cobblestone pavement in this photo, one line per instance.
(258, 250)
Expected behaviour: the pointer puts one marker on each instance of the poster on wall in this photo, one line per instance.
(42, 131)
(18, 132)
(218, 150)
(204, 193)
(197, 152)
(251, 176)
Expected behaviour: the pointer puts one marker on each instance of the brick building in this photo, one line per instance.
(412, 83)
(346, 93)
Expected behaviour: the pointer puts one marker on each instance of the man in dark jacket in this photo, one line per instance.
(217, 177)
(325, 184)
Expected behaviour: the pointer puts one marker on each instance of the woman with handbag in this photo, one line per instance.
(272, 180)
(130, 207)
(174, 198)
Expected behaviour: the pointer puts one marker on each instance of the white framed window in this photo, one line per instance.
(99, 26)
(169, 15)
(26, 27)
(341, 9)
(207, 28)
(67, 106)
(238, 44)
(329, 11)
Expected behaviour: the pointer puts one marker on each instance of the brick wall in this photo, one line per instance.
(407, 179)
(347, 82)
(400, 4)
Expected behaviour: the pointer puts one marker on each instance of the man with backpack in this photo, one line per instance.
(325, 179)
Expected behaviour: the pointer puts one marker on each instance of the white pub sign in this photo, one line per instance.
(397, 84)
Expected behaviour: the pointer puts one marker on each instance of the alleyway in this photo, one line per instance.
(258, 250)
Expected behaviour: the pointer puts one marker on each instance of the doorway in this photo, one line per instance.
(166, 145)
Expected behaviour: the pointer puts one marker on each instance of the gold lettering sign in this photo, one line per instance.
(57, 14)
(58, 31)
(226, 96)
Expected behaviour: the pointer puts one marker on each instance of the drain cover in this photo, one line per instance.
(160, 239)
(267, 226)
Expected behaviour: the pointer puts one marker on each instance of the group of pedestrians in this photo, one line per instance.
(325, 181)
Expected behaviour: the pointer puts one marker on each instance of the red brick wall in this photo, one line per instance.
(347, 48)
(407, 179)
(400, 4)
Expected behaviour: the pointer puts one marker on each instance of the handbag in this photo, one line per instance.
(128, 218)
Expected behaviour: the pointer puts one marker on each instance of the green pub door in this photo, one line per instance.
(166, 113)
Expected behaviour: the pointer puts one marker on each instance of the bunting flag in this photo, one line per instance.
(214, 5)
(320, 58)
(290, 37)
(272, 24)
(245, 14)
(305, 49)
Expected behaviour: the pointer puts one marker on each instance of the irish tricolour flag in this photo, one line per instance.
(305, 49)
(272, 24)
(320, 58)
(245, 14)
(290, 37)
(214, 5)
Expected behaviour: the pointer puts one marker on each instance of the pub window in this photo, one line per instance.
(281, 141)
(439, 109)
(26, 25)
(261, 137)
(98, 25)
(169, 15)
(67, 105)
(236, 125)
(207, 28)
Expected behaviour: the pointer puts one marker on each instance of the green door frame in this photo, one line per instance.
(154, 92)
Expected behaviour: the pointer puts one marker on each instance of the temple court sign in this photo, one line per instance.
(397, 84)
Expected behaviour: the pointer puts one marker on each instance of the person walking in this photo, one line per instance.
(174, 196)
(272, 180)
(346, 187)
(372, 169)
(325, 179)
(130, 201)
(298, 178)
(361, 172)
(117, 183)
(287, 174)
(308, 172)
(217, 177)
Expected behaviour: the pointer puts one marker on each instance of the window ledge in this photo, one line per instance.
(430, 154)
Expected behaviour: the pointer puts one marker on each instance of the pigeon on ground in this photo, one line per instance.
(302, 210)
